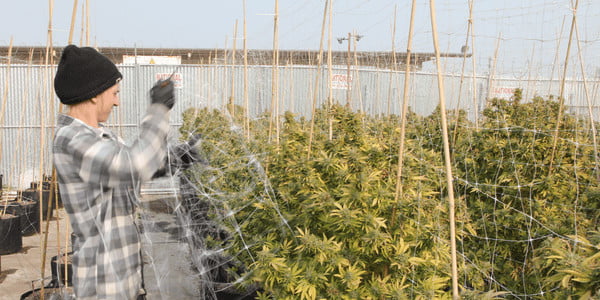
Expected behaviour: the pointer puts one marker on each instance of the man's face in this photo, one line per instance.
(106, 101)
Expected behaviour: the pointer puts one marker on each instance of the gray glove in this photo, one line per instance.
(186, 154)
(163, 92)
(182, 157)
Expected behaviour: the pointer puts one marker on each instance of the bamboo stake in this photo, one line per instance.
(53, 193)
(348, 82)
(562, 90)
(448, 163)
(224, 63)
(330, 72)
(82, 23)
(4, 99)
(21, 162)
(473, 81)
(356, 75)
(275, 77)
(393, 66)
(87, 23)
(589, 102)
(377, 106)
(462, 72)
(562, 27)
(528, 88)
(246, 106)
(73, 15)
(291, 81)
(493, 68)
(232, 93)
(316, 85)
(404, 109)
(43, 140)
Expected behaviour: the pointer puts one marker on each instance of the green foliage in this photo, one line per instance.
(325, 223)
(521, 192)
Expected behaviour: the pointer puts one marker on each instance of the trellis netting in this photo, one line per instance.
(316, 183)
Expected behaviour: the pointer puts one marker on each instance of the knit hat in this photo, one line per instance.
(82, 74)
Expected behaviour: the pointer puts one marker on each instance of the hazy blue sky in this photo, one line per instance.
(530, 29)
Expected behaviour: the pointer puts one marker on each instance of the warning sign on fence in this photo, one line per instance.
(341, 81)
(177, 78)
(502, 92)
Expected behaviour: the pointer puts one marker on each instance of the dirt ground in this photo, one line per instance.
(21, 272)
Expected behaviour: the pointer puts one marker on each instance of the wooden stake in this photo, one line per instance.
(316, 85)
(589, 102)
(82, 24)
(73, 15)
(232, 93)
(25, 99)
(246, 106)
(528, 86)
(87, 23)
(493, 68)
(448, 163)
(4, 100)
(275, 76)
(561, 99)
(473, 81)
(348, 84)
(393, 66)
(290, 68)
(462, 73)
(357, 77)
(404, 108)
(43, 101)
(562, 27)
(224, 63)
(330, 72)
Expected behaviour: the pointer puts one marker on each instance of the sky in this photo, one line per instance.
(516, 35)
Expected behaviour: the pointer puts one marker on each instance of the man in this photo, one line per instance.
(99, 177)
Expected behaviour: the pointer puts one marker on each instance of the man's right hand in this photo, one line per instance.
(163, 92)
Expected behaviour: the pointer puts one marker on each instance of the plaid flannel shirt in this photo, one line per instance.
(99, 179)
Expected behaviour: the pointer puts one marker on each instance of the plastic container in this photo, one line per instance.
(28, 212)
(32, 194)
(58, 269)
(11, 238)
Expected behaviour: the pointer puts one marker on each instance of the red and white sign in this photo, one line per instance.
(341, 82)
(503, 92)
(177, 78)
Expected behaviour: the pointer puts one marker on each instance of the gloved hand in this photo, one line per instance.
(186, 153)
(163, 92)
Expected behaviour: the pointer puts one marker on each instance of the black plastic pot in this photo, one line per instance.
(11, 238)
(58, 269)
(47, 185)
(34, 195)
(49, 293)
(28, 212)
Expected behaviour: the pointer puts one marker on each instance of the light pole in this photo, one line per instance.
(356, 38)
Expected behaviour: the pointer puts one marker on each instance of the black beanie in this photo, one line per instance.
(82, 74)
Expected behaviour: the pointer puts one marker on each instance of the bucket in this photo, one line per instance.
(11, 238)
(34, 195)
(58, 269)
(50, 293)
(28, 213)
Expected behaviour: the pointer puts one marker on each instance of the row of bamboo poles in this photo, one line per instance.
(274, 128)
(43, 100)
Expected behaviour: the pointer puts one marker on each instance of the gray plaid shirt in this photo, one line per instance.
(99, 179)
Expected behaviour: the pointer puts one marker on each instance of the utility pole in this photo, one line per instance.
(356, 38)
